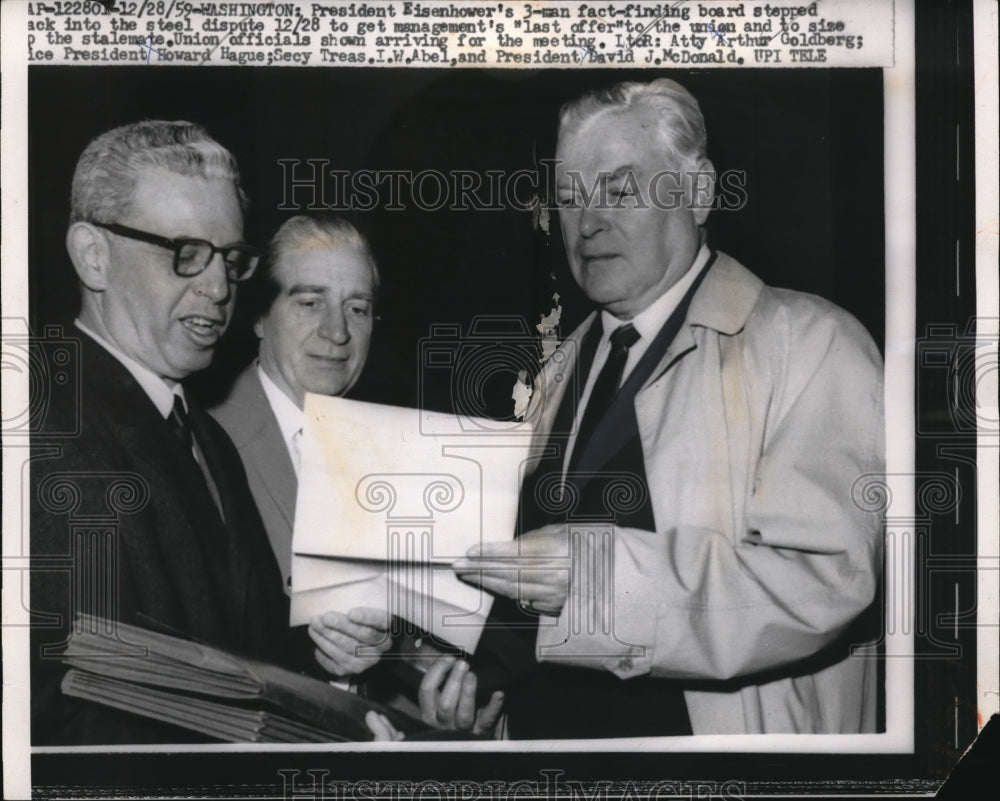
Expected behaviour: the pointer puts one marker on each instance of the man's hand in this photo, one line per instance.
(453, 705)
(380, 727)
(350, 644)
(533, 569)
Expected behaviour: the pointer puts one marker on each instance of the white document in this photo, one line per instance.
(388, 498)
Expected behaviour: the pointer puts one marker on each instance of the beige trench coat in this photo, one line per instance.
(758, 428)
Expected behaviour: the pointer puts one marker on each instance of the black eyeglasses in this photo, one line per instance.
(192, 256)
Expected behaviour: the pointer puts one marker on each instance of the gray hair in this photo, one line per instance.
(105, 176)
(679, 118)
(305, 232)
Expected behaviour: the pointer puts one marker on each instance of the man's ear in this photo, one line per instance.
(701, 175)
(258, 327)
(91, 255)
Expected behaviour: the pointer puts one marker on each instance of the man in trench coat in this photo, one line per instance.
(694, 555)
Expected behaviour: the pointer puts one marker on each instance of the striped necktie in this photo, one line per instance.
(605, 388)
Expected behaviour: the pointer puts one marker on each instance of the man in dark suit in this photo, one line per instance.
(145, 515)
(695, 561)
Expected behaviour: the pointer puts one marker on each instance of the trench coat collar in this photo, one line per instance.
(723, 302)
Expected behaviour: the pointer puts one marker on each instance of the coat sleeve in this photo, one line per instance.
(804, 561)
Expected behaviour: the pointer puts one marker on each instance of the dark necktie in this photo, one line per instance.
(180, 426)
(605, 388)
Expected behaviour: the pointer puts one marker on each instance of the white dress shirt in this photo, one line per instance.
(160, 390)
(647, 323)
(290, 417)
(291, 420)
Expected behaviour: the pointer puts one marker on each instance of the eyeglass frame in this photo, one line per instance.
(176, 244)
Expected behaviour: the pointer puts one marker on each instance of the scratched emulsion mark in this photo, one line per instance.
(539, 214)
(521, 394)
(547, 327)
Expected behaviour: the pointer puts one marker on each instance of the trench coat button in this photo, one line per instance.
(625, 664)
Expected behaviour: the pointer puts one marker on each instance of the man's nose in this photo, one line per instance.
(593, 218)
(213, 281)
(334, 326)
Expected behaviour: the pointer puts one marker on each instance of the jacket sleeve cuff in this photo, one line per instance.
(611, 617)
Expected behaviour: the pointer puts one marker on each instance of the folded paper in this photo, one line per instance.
(388, 498)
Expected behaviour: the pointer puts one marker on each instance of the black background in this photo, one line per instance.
(810, 143)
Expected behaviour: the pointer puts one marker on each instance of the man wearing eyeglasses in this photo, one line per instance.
(156, 239)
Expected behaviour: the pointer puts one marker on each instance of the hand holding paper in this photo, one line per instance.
(388, 499)
(533, 569)
(349, 644)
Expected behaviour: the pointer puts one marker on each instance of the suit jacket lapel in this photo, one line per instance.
(671, 342)
(723, 303)
(179, 546)
(269, 448)
(238, 559)
(186, 517)
(256, 431)
(151, 442)
(606, 440)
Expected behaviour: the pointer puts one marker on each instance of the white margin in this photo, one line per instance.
(986, 43)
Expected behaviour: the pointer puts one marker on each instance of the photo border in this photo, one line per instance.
(917, 763)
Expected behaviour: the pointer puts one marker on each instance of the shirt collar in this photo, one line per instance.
(290, 417)
(650, 320)
(160, 391)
